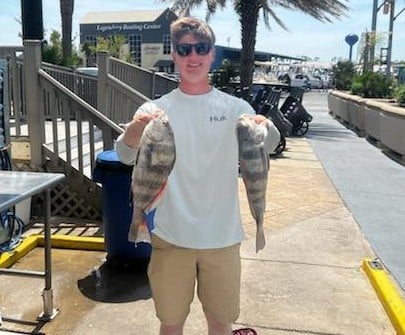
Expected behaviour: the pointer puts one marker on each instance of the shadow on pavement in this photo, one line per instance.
(325, 132)
(109, 284)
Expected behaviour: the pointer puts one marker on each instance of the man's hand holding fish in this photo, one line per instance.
(273, 136)
(134, 129)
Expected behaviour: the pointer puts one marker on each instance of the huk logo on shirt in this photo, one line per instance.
(216, 118)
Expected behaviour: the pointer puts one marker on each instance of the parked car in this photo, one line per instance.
(295, 79)
(91, 71)
(315, 81)
(300, 80)
(174, 76)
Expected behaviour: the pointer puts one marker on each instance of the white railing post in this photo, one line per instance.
(32, 63)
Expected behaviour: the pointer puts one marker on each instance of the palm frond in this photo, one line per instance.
(322, 10)
(266, 12)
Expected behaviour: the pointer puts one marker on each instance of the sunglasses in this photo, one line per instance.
(185, 49)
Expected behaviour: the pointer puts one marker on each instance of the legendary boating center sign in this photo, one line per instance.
(128, 26)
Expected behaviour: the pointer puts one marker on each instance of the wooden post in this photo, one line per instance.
(103, 70)
(32, 63)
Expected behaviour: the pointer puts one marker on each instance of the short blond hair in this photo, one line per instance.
(191, 25)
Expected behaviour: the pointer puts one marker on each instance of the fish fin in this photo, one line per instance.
(138, 230)
(137, 157)
(133, 231)
(265, 158)
(137, 218)
(251, 202)
(156, 199)
(143, 233)
(252, 207)
(260, 239)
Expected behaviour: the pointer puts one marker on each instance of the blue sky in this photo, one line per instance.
(306, 36)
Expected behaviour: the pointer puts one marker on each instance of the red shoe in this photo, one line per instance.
(244, 331)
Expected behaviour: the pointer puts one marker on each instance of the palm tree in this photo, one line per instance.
(369, 42)
(66, 11)
(248, 11)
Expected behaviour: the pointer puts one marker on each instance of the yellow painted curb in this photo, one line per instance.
(9, 258)
(387, 292)
(57, 241)
(74, 242)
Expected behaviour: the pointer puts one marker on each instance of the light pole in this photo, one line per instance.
(373, 31)
(372, 40)
(393, 17)
(390, 33)
(391, 5)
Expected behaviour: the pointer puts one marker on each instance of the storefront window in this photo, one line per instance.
(166, 44)
(135, 42)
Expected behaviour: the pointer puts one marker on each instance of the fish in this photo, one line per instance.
(155, 159)
(254, 167)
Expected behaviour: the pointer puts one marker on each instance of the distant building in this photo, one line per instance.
(233, 55)
(147, 36)
(147, 33)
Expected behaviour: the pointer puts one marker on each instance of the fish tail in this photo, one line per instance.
(260, 239)
(143, 233)
(159, 194)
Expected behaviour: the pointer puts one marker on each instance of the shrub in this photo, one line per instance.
(343, 73)
(372, 85)
(399, 94)
(357, 87)
(223, 75)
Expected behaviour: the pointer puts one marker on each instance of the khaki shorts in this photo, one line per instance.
(174, 271)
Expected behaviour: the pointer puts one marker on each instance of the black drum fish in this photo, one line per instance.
(254, 167)
(155, 159)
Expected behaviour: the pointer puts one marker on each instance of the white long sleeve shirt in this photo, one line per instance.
(200, 208)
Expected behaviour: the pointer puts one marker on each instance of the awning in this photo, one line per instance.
(163, 63)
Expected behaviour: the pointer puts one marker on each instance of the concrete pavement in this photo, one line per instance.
(370, 183)
(308, 279)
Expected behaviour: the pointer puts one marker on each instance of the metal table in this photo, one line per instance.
(16, 186)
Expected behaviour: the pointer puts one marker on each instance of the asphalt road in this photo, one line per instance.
(370, 183)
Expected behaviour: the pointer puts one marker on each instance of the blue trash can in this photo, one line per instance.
(115, 178)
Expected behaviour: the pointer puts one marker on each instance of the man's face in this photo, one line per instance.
(193, 59)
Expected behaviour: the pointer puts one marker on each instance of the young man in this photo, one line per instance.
(197, 225)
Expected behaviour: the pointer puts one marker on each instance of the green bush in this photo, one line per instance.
(372, 85)
(399, 94)
(356, 88)
(223, 75)
(343, 73)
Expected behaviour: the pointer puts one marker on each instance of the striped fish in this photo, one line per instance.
(254, 167)
(155, 160)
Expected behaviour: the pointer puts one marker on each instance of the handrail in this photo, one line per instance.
(79, 100)
(122, 100)
(149, 83)
(74, 130)
(128, 90)
(75, 126)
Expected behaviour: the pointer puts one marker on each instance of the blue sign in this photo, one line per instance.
(351, 39)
